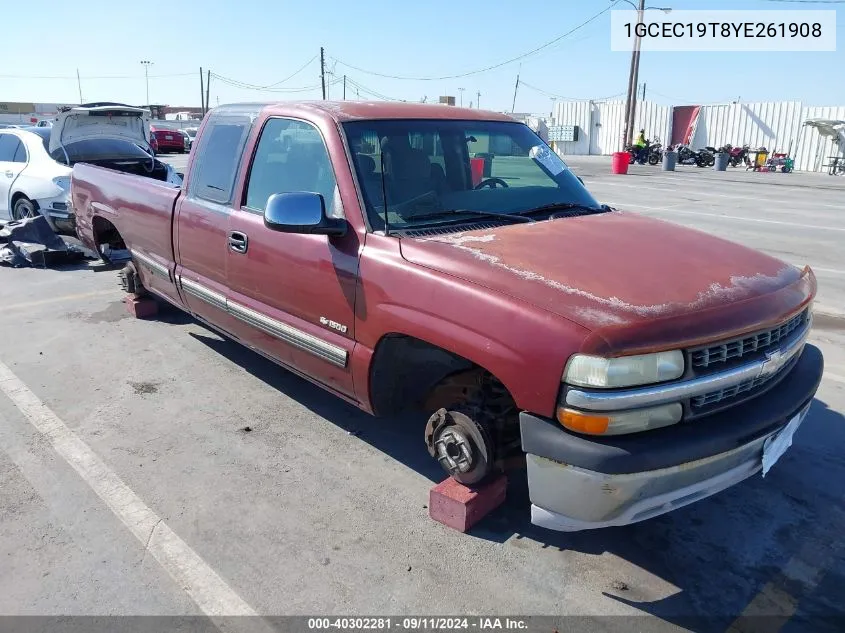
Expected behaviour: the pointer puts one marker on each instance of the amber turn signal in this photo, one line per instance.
(582, 422)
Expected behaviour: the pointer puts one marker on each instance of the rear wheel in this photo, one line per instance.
(653, 159)
(24, 208)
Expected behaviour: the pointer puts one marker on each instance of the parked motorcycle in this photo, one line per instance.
(709, 155)
(687, 156)
(655, 151)
(739, 155)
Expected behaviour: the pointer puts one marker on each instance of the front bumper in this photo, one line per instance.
(578, 482)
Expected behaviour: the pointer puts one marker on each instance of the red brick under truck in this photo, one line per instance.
(631, 361)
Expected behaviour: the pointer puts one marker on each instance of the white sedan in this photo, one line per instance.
(36, 162)
(31, 182)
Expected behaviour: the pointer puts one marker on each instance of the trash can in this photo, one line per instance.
(722, 160)
(488, 163)
(619, 162)
(670, 159)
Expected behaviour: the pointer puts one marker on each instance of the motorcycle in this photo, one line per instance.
(709, 155)
(687, 156)
(655, 151)
(739, 155)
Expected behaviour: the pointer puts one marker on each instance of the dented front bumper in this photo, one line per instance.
(578, 482)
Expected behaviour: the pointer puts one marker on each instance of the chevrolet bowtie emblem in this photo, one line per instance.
(773, 363)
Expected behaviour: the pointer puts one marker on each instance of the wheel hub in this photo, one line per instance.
(460, 445)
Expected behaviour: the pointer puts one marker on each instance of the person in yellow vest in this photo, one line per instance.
(640, 144)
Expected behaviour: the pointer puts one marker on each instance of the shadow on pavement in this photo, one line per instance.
(720, 552)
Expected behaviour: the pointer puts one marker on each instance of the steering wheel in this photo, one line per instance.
(492, 183)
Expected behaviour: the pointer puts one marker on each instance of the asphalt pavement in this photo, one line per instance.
(151, 467)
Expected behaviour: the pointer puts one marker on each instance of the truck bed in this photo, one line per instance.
(140, 208)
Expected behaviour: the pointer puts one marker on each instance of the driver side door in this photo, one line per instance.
(293, 293)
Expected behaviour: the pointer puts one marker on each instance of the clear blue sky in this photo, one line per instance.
(261, 42)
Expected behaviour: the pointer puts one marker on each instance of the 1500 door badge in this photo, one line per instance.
(333, 324)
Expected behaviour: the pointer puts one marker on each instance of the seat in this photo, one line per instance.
(408, 169)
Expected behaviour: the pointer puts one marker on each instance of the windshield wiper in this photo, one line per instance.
(488, 214)
(563, 206)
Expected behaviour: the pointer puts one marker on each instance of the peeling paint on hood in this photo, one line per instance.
(604, 270)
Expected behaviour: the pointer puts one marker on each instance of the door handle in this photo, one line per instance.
(238, 242)
(9, 174)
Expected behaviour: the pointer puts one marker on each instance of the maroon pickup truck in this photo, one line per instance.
(446, 260)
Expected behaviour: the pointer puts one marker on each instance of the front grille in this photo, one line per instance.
(746, 389)
(743, 347)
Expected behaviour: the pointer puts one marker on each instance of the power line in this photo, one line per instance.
(251, 86)
(247, 86)
(808, 1)
(74, 77)
(562, 97)
(494, 66)
(370, 91)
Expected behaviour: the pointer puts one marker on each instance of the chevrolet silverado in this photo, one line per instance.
(636, 365)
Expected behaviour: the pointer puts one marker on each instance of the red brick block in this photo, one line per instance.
(460, 507)
(141, 308)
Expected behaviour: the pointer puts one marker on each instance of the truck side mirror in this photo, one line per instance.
(301, 212)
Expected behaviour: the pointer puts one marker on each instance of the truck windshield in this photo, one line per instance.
(435, 168)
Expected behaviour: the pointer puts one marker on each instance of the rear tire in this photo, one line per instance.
(24, 208)
(652, 159)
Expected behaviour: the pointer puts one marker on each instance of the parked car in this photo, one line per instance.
(631, 368)
(186, 140)
(192, 133)
(168, 140)
(36, 162)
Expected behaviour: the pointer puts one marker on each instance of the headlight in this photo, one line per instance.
(624, 371)
(620, 422)
(63, 182)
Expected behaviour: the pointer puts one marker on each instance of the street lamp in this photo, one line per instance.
(147, 65)
(461, 90)
(633, 76)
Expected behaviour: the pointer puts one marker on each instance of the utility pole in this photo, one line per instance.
(461, 90)
(208, 89)
(147, 64)
(323, 70)
(515, 88)
(203, 104)
(79, 85)
(478, 103)
(344, 87)
(631, 99)
(643, 97)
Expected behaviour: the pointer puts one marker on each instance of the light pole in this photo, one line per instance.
(633, 75)
(461, 90)
(147, 63)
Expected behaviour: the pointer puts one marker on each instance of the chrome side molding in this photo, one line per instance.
(155, 267)
(275, 328)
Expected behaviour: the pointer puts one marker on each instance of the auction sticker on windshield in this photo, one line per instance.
(548, 159)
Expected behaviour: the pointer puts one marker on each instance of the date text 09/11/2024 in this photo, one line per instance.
(419, 623)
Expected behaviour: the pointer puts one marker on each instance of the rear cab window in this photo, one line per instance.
(218, 157)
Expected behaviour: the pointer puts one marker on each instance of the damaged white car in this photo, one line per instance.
(36, 162)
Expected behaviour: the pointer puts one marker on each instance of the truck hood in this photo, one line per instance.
(605, 270)
(114, 121)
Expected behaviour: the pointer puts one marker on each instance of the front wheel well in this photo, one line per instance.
(20, 194)
(409, 373)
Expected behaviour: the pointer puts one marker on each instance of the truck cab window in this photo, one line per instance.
(291, 156)
(219, 152)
